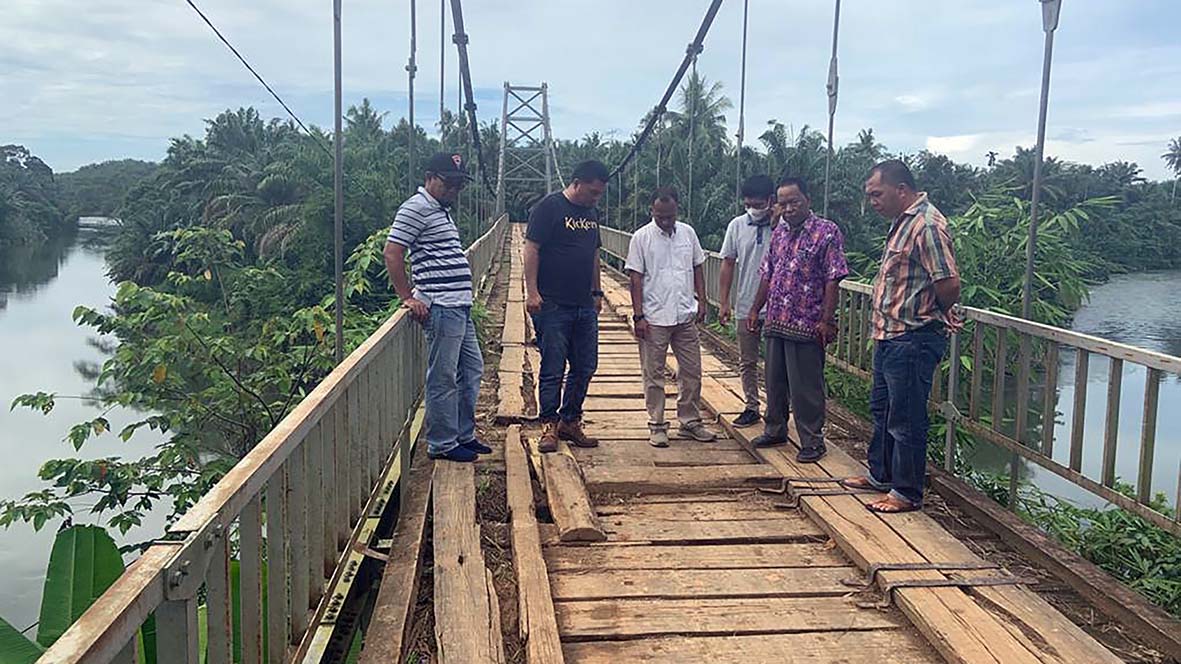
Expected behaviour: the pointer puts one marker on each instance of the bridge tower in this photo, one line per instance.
(526, 143)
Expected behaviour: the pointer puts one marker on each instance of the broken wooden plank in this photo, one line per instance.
(690, 583)
(714, 556)
(467, 615)
(879, 646)
(790, 527)
(678, 479)
(535, 607)
(387, 635)
(632, 618)
(569, 502)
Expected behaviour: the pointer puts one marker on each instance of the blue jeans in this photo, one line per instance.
(453, 372)
(903, 368)
(566, 335)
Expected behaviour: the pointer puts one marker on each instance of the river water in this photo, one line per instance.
(41, 349)
(1139, 310)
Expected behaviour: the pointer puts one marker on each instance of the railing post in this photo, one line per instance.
(1148, 436)
(277, 610)
(1022, 415)
(177, 638)
(249, 580)
(1115, 380)
(951, 414)
(1050, 399)
(219, 622)
(1078, 416)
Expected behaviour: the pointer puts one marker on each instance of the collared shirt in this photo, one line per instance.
(666, 261)
(797, 266)
(746, 241)
(918, 253)
(438, 265)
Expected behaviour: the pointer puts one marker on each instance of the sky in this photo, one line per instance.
(109, 79)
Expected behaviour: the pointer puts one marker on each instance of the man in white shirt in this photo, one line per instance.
(664, 262)
(746, 241)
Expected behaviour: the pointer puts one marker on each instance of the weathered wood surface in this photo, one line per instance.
(790, 527)
(535, 607)
(691, 583)
(884, 646)
(684, 479)
(568, 499)
(747, 556)
(385, 638)
(467, 613)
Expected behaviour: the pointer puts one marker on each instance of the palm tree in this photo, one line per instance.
(1172, 158)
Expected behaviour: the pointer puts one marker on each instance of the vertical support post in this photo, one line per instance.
(742, 109)
(176, 630)
(1050, 399)
(314, 469)
(1050, 10)
(442, 63)
(977, 370)
(297, 532)
(549, 144)
(1148, 436)
(1000, 367)
(950, 421)
(831, 89)
(249, 580)
(503, 146)
(1115, 380)
(338, 185)
(411, 71)
(1022, 414)
(219, 623)
(1078, 418)
(277, 608)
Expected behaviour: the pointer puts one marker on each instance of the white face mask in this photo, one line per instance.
(758, 215)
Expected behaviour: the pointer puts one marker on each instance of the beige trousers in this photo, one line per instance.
(748, 364)
(686, 347)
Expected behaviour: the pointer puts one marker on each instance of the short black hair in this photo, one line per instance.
(798, 183)
(758, 186)
(895, 172)
(665, 194)
(591, 170)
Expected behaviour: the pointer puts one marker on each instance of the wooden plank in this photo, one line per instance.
(250, 579)
(879, 646)
(535, 608)
(386, 637)
(1000, 368)
(977, 370)
(1115, 380)
(631, 618)
(510, 399)
(790, 527)
(690, 583)
(614, 404)
(467, 618)
(1152, 380)
(749, 509)
(678, 479)
(643, 454)
(276, 495)
(219, 624)
(568, 500)
(1050, 400)
(1078, 418)
(714, 556)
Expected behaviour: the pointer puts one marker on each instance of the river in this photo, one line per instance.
(43, 350)
(1139, 310)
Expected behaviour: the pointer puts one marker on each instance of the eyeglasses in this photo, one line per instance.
(457, 184)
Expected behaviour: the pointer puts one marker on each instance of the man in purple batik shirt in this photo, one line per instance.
(800, 277)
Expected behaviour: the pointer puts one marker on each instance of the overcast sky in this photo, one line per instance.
(85, 82)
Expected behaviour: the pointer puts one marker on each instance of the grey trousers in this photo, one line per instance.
(795, 374)
(686, 347)
(748, 365)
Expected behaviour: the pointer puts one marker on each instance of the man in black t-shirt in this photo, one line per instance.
(564, 297)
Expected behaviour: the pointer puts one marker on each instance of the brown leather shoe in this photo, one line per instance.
(572, 432)
(549, 437)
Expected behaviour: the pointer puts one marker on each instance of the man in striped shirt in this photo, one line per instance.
(913, 295)
(442, 301)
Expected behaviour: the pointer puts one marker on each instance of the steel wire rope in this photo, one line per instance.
(741, 109)
(693, 80)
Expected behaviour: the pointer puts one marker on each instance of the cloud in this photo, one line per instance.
(1154, 109)
(953, 145)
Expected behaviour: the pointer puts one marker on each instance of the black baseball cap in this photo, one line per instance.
(448, 165)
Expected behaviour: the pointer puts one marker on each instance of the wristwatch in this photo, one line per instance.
(637, 317)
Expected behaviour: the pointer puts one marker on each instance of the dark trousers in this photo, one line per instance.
(567, 336)
(795, 374)
(903, 369)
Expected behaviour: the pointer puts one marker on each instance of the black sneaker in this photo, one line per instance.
(746, 419)
(458, 453)
(477, 447)
(763, 440)
(811, 454)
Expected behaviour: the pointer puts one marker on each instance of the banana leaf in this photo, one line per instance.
(15, 648)
(83, 564)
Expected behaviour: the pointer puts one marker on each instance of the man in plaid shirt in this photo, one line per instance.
(914, 292)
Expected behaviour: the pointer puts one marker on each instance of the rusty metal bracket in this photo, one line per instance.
(873, 570)
(887, 600)
(186, 573)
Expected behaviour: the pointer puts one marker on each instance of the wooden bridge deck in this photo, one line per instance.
(674, 555)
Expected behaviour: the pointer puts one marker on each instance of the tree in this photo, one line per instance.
(1172, 157)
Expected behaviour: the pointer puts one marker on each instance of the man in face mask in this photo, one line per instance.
(747, 238)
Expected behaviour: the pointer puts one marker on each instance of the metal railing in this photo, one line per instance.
(1003, 389)
(289, 514)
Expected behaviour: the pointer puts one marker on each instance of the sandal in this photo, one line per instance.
(892, 505)
(860, 482)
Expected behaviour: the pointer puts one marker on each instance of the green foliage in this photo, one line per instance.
(15, 648)
(83, 564)
(99, 189)
(29, 213)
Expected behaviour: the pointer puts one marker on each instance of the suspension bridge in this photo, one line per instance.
(336, 539)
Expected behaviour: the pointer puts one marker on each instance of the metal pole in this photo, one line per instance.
(549, 140)
(831, 88)
(411, 70)
(442, 62)
(503, 147)
(741, 110)
(693, 80)
(1050, 9)
(338, 182)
